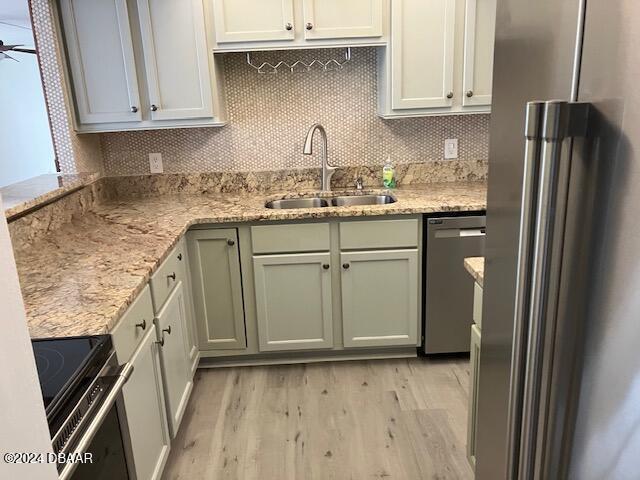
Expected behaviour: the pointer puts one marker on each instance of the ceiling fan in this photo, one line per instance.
(13, 48)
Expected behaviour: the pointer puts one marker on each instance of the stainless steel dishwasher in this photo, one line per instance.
(448, 286)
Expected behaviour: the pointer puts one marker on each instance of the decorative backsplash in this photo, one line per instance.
(74, 153)
(268, 116)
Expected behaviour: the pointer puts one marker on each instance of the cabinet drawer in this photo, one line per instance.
(133, 325)
(170, 273)
(308, 237)
(379, 234)
(477, 304)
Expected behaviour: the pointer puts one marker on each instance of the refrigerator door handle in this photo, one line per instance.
(541, 242)
(533, 136)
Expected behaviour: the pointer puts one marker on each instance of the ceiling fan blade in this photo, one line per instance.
(24, 50)
(4, 56)
(4, 48)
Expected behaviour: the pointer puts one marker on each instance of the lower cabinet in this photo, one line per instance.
(178, 381)
(146, 415)
(380, 298)
(473, 394)
(217, 289)
(293, 301)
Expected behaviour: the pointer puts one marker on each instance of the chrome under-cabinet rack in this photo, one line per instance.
(300, 65)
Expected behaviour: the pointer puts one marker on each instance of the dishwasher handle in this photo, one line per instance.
(460, 232)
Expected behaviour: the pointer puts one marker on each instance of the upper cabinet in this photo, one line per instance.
(439, 60)
(242, 25)
(480, 26)
(340, 19)
(422, 55)
(103, 68)
(248, 20)
(176, 59)
(165, 44)
(146, 64)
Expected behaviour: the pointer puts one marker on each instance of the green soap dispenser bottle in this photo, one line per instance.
(388, 175)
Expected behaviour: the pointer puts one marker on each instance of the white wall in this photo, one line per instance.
(26, 149)
(23, 424)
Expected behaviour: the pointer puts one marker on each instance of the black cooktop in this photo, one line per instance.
(66, 367)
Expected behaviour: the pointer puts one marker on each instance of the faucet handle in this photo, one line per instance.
(358, 183)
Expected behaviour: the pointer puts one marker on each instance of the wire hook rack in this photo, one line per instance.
(300, 65)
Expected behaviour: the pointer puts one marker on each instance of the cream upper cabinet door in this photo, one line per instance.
(251, 20)
(380, 298)
(100, 49)
(293, 301)
(340, 19)
(422, 42)
(479, 36)
(176, 59)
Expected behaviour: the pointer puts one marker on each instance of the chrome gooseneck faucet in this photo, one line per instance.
(327, 170)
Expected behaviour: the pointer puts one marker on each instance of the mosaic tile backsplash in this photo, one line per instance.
(268, 117)
(74, 153)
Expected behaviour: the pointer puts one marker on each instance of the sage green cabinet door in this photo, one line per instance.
(293, 301)
(217, 289)
(178, 382)
(380, 298)
(144, 403)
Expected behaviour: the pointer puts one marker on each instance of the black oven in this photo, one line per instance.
(82, 385)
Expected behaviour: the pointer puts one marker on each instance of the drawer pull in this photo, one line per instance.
(180, 256)
(231, 243)
(325, 266)
(346, 266)
(172, 276)
(142, 325)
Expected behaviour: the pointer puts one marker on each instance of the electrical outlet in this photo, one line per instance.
(155, 163)
(451, 148)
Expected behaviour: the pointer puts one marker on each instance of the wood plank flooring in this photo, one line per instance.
(386, 419)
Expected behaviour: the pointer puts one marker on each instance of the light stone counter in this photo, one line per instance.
(79, 278)
(475, 266)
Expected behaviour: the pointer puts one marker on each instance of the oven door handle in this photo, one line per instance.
(83, 444)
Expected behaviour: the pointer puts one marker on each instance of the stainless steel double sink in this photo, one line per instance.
(339, 201)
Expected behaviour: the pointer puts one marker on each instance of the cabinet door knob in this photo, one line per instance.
(450, 95)
(231, 243)
(470, 93)
(325, 266)
(164, 330)
(154, 108)
(142, 325)
(288, 26)
(309, 26)
(172, 276)
(345, 266)
(134, 109)
(180, 256)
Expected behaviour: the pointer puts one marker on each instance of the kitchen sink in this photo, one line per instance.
(340, 201)
(356, 200)
(286, 203)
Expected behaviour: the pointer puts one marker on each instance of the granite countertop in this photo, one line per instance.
(80, 278)
(20, 198)
(475, 266)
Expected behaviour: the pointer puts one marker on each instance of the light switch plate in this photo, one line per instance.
(451, 148)
(155, 163)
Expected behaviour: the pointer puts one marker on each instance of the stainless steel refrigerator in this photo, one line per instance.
(559, 386)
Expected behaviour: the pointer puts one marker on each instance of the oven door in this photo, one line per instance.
(100, 447)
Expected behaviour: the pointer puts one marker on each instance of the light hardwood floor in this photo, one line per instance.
(387, 419)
